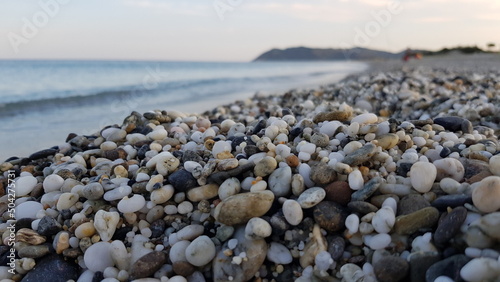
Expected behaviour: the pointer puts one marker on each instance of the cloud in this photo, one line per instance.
(177, 7)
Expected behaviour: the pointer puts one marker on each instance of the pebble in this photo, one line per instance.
(330, 216)
(280, 181)
(182, 180)
(449, 167)
(338, 192)
(420, 263)
(391, 268)
(147, 265)
(421, 219)
(98, 256)
(422, 176)
(293, 212)
(311, 197)
(367, 190)
(383, 220)
(322, 174)
(33, 251)
(449, 225)
(486, 197)
(481, 269)
(240, 208)
(412, 203)
(28, 209)
(449, 267)
(53, 268)
(24, 185)
(105, 224)
(454, 124)
(265, 166)
(494, 163)
(279, 254)
(258, 228)
(133, 204)
(361, 155)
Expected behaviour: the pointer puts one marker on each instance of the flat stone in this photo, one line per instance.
(147, 265)
(361, 155)
(391, 269)
(387, 141)
(454, 124)
(449, 225)
(412, 203)
(448, 267)
(443, 202)
(410, 223)
(368, 189)
(42, 154)
(361, 207)
(334, 115)
(34, 251)
(338, 192)
(52, 268)
(420, 263)
(330, 216)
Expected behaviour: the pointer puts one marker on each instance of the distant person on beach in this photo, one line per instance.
(410, 54)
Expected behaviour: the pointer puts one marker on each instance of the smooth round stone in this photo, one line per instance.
(367, 189)
(178, 251)
(201, 251)
(293, 212)
(28, 209)
(34, 251)
(379, 241)
(240, 208)
(311, 197)
(86, 229)
(494, 163)
(133, 204)
(387, 141)
(481, 269)
(338, 192)
(362, 207)
(105, 224)
(486, 197)
(355, 180)
(454, 124)
(279, 254)
(348, 271)
(449, 167)
(24, 185)
(160, 196)
(330, 216)
(443, 202)
(182, 180)
(280, 181)
(66, 200)
(451, 186)
(352, 223)
(383, 220)
(265, 166)
(93, 191)
(420, 262)
(98, 257)
(367, 118)
(229, 187)
(361, 155)
(52, 182)
(489, 224)
(257, 228)
(422, 176)
(391, 268)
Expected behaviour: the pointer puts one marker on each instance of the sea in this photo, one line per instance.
(42, 101)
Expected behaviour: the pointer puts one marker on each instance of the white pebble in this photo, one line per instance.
(384, 220)
(98, 257)
(352, 223)
(130, 205)
(279, 254)
(422, 176)
(24, 185)
(355, 179)
(257, 228)
(293, 212)
(185, 207)
(201, 251)
(52, 183)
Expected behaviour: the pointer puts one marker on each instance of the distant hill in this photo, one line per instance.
(357, 53)
(316, 54)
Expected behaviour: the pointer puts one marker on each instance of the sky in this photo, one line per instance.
(236, 30)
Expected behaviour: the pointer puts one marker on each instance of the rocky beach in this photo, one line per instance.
(388, 175)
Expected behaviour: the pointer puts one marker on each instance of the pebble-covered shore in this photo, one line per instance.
(388, 176)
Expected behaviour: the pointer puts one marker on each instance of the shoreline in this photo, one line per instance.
(392, 173)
